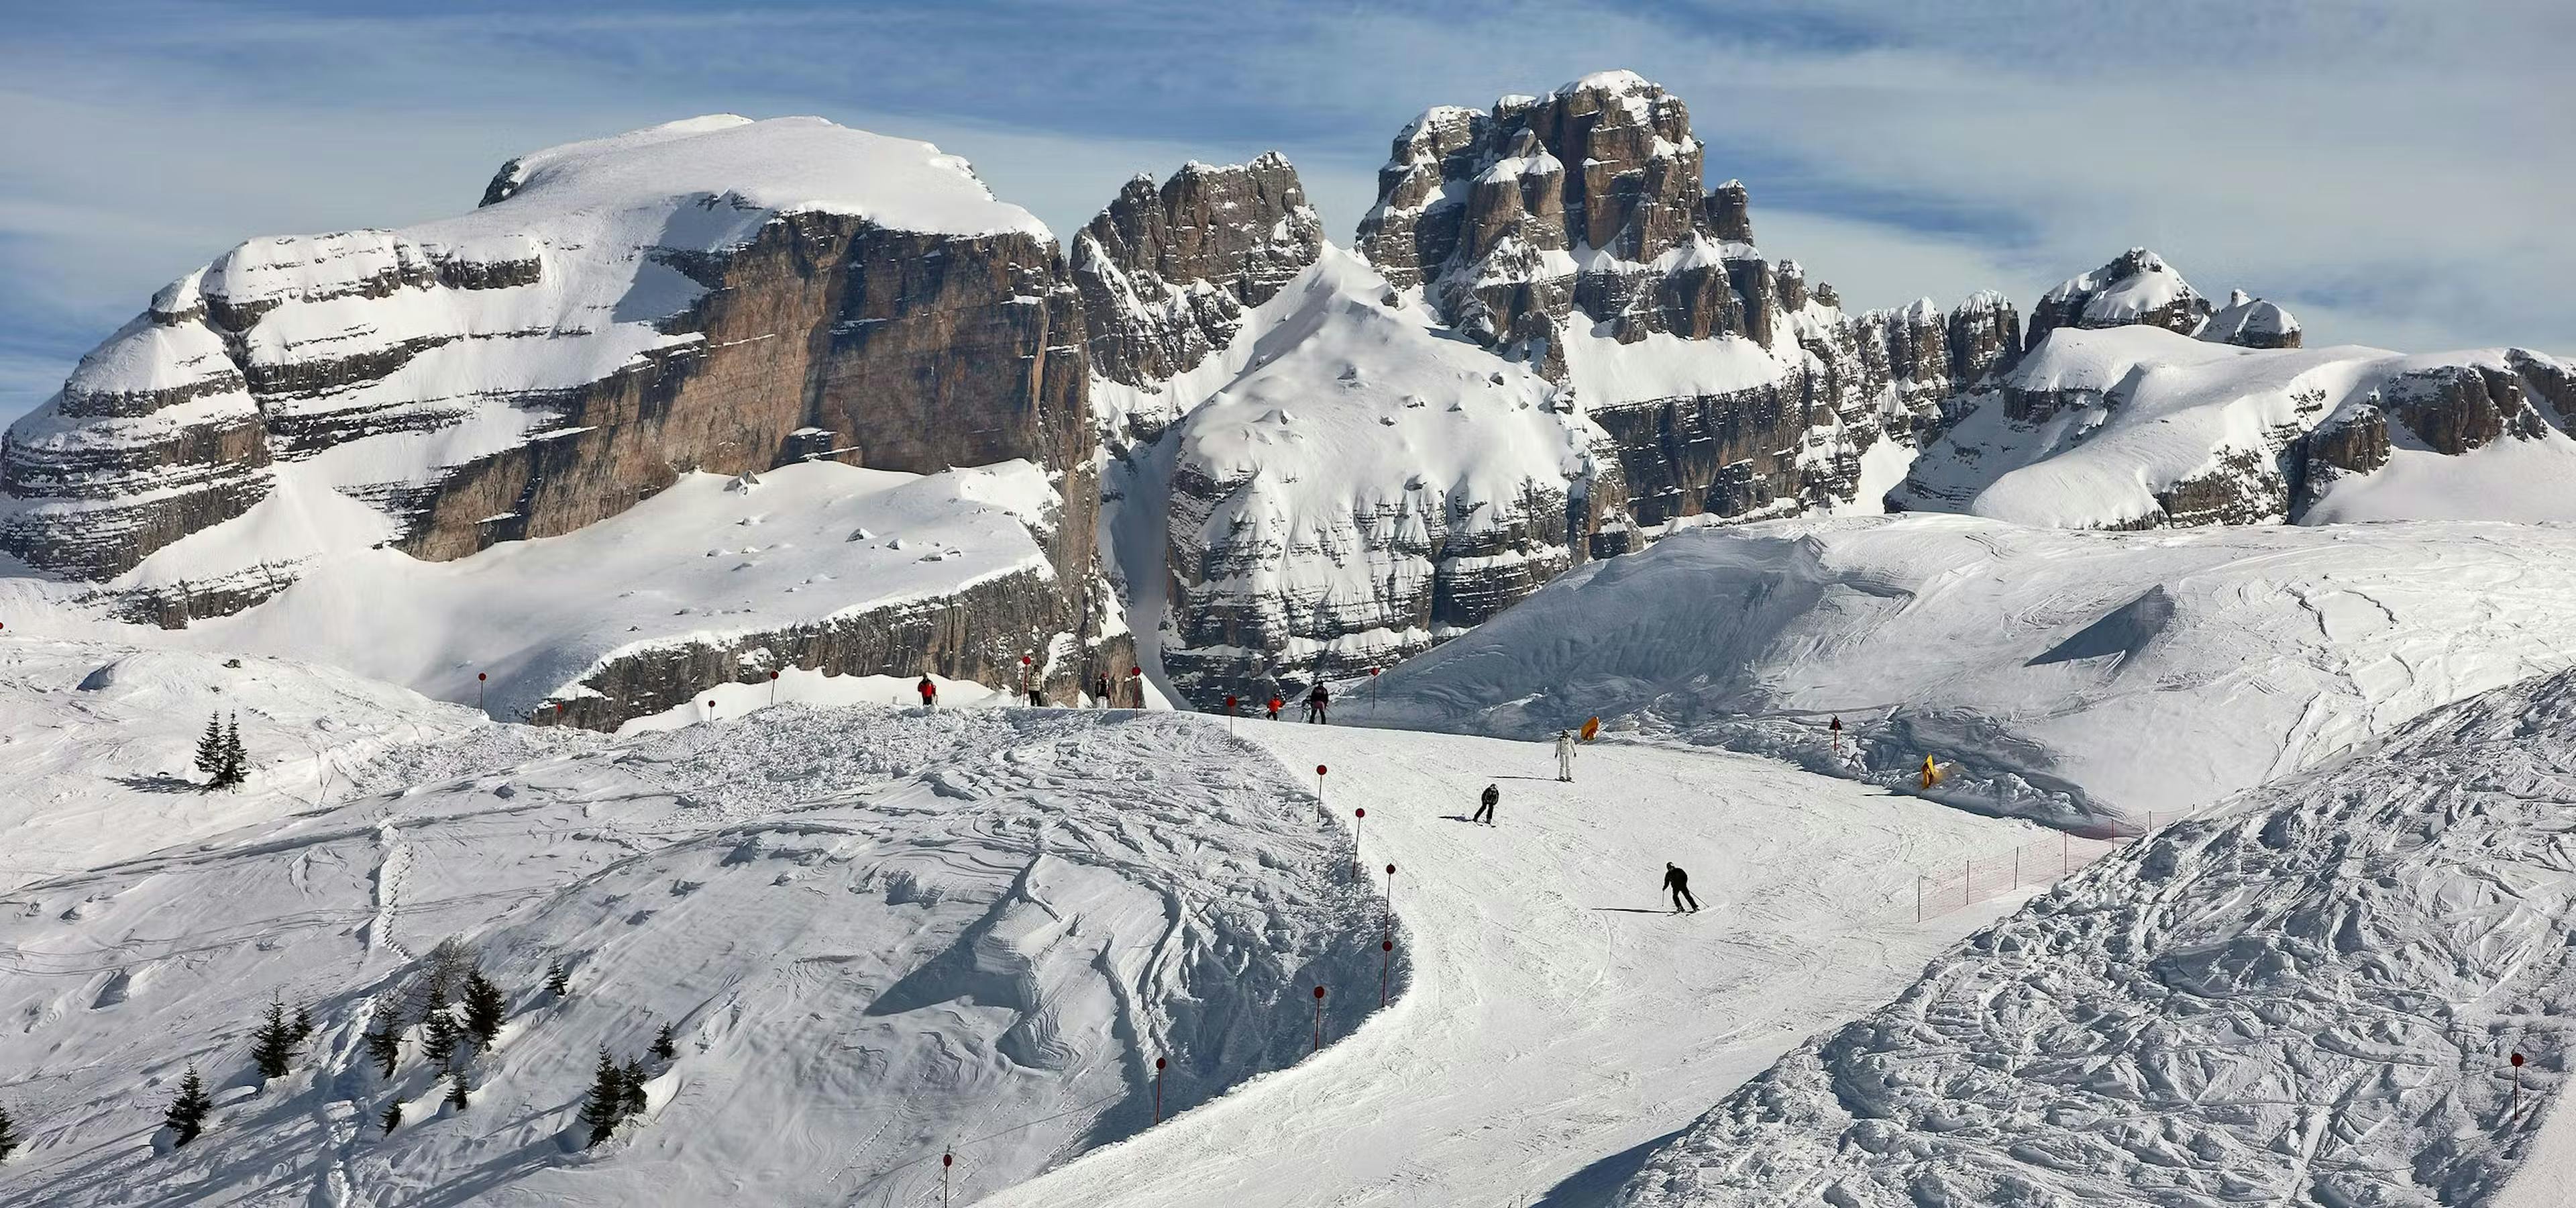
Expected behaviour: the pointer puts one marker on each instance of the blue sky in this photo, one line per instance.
(2398, 174)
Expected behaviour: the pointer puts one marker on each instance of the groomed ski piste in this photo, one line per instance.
(883, 935)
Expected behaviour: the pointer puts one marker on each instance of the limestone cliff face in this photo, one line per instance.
(1166, 274)
(1374, 487)
(1571, 232)
(718, 295)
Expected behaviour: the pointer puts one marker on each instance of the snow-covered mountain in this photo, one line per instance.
(2311, 999)
(1366, 485)
(2084, 678)
(621, 320)
(2118, 417)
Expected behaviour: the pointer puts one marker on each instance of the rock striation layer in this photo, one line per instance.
(716, 295)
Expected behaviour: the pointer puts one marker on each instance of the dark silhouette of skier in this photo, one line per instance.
(1315, 702)
(1100, 690)
(1679, 882)
(1485, 812)
(929, 693)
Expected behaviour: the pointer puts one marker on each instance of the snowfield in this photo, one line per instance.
(709, 559)
(98, 742)
(876, 933)
(2084, 678)
(2310, 999)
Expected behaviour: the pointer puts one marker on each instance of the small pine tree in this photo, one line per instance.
(210, 751)
(273, 1045)
(457, 1096)
(236, 761)
(187, 1114)
(439, 1043)
(484, 1009)
(558, 982)
(606, 1107)
(665, 1048)
(8, 1135)
(633, 1076)
(384, 1045)
(303, 1024)
(392, 1118)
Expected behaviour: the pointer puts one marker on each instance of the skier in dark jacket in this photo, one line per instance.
(1100, 690)
(929, 693)
(1485, 812)
(1315, 702)
(1679, 882)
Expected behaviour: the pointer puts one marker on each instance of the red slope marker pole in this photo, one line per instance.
(2517, 1087)
(1373, 689)
(1158, 1090)
(1319, 782)
(1319, 1019)
(1136, 685)
(1385, 970)
(1359, 819)
(479, 677)
(773, 687)
(946, 1160)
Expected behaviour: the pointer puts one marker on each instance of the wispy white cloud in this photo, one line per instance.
(2393, 171)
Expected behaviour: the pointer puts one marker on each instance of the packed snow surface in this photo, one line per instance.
(1558, 1017)
(2308, 1000)
(2087, 678)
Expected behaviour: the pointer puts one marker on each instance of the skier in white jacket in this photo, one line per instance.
(1565, 755)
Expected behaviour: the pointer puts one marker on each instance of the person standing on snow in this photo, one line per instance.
(1275, 704)
(929, 693)
(1315, 702)
(1485, 812)
(1679, 882)
(1100, 690)
(1565, 756)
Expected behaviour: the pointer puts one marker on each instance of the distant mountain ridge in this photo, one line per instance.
(723, 296)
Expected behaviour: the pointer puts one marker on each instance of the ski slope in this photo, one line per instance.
(1557, 1017)
(2307, 999)
(2089, 678)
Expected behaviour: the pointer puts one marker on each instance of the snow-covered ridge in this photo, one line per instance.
(1367, 484)
(2140, 427)
(2311, 999)
(778, 166)
(2085, 678)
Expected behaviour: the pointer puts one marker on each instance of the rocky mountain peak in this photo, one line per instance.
(2137, 286)
(1167, 272)
(1588, 198)
(2251, 322)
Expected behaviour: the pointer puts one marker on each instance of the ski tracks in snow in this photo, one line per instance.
(1553, 1014)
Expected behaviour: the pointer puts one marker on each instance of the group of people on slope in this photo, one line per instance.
(1318, 699)
(1675, 880)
